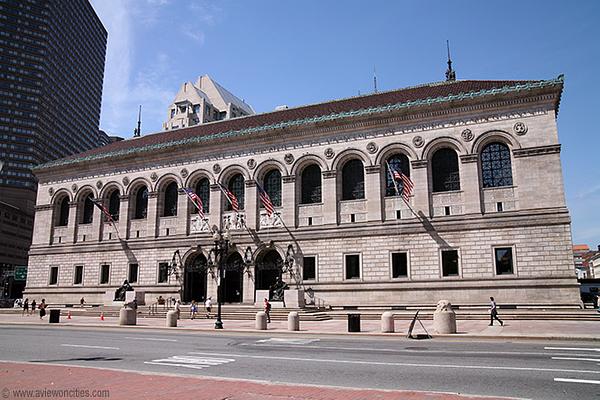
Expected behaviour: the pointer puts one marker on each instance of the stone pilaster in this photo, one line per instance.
(330, 198)
(420, 179)
(251, 206)
(373, 192)
(97, 222)
(124, 216)
(469, 182)
(152, 214)
(216, 208)
(42, 234)
(183, 219)
(288, 201)
(72, 225)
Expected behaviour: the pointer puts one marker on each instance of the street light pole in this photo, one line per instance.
(221, 250)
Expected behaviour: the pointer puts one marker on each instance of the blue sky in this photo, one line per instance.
(298, 52)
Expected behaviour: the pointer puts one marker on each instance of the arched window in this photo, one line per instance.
(444, 170)
(141, 203)
(311, 184)
(63, 212)
(170, 207)
(496, 169)
(397, 162)
(236, 186)
(88, 210)
(114, 204)
(353, 180)
(203, 191)
(272, 185)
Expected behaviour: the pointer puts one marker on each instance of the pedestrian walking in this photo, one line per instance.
(25, 307)
(267, 308)
(178, 308)
(193, 309)
(33, 304)
(81, 302)
(42, 308)
(208, 306)
(494, 313)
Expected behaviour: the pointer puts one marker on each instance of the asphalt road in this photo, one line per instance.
(537, 370)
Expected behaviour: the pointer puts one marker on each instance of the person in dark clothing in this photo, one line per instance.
(494, 313)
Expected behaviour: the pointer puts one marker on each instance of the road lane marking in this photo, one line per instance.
(400, 364)
(573, 348)
(190, 361)
(286, 341)
(90, 347)
(576, 381)
(155, 339)
(577, 359)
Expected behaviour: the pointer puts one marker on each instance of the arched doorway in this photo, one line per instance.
(268, 270)
(233, 279)
(194, 280)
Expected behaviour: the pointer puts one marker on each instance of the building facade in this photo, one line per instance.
(487, 216)
(51, 72)
(202, 102)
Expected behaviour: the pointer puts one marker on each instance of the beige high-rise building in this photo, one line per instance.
(202, 102)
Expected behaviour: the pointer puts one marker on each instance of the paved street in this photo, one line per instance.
(538, 370)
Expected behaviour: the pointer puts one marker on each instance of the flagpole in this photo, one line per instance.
(393, 180)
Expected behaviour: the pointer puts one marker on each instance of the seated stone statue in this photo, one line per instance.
(120, 292)
(277, 290)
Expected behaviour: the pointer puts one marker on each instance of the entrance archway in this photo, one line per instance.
(233, 280)
(268, 270)
(194, 280)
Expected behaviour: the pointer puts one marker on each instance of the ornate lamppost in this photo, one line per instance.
(220, 251)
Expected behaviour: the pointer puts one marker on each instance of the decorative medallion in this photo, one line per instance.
(372, 147)
(125, 181)
(467, 135)
(329, 153)
(251, 163)
(50, 191)
(99, 184)
(288, 158)
(520, 128)
(184, 173)
(216, 168)
(154, 176)
(74, 187)
(418, 141)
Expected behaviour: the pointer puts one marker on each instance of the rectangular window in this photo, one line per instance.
(499, 207)
(163, 272)
(104, 274)
(399, 265)
(504, 260)
(53, 276)
(450, 262)
(309, 269)
(447, 210)
(352, 265)
(133, 273)
(78, 276)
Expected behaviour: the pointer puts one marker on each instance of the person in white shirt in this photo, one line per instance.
(494, 313)
(208, 306)
(178, 308)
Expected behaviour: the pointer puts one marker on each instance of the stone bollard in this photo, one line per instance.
(261, 321)
(293, 321)
(171, 318)
(127, 316)
(444, 318)
(387, 322)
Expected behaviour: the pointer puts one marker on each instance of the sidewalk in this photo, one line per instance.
(56, 381)
(512, 329)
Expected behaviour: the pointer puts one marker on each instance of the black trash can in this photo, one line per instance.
(54, 316)
(353, 322)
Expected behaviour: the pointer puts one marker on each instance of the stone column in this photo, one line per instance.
(248, 288)
(42, 234)
(183, 217)
(72, 225)
(97, 220)
(124, 216)
(152, 214)
(329, 198)
(251, 206)
(469, 183)
(288, 201)
(420, 179)
(216, 206)
(373, 192)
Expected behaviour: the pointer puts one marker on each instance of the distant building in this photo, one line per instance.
(202, 102)
(585, 261)
(51, 73)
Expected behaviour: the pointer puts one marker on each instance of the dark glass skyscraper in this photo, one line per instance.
(51, 71)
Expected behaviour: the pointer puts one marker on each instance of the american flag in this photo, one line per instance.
(407, 185)
(196, 201)
(231, 198)
(266, 200)
(106, 213)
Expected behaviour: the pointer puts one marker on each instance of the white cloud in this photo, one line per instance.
(196, 35)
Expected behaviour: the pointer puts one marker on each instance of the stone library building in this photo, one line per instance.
(485, 216)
